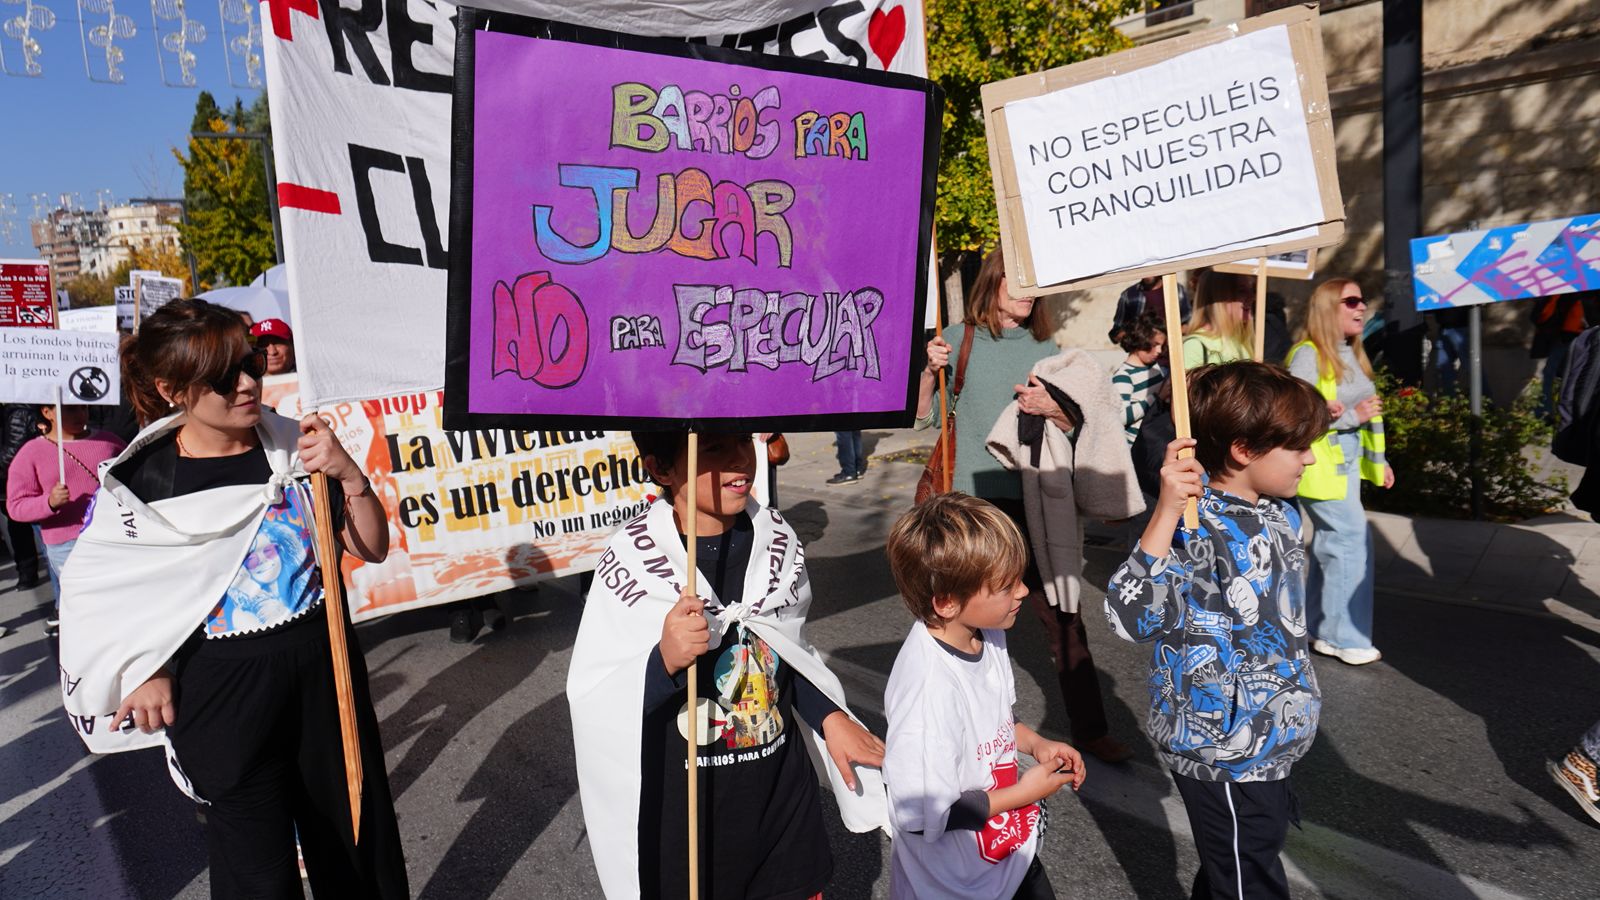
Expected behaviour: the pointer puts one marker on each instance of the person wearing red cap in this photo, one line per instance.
(275, 337)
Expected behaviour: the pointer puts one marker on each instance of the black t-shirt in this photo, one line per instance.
(279, 585)
(762, 833)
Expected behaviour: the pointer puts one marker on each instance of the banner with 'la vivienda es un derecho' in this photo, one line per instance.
(723, 238)
(474, 512)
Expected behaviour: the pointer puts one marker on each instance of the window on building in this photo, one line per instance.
(1158, 11)
(1257, 7)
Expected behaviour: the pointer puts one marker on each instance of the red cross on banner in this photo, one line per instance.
(279, 12)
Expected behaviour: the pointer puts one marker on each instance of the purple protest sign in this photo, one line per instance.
(659, 232)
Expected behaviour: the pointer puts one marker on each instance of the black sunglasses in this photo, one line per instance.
(253, 364)
(1353, 302)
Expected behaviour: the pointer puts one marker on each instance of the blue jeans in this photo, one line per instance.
(851, 459)
(1339, 586)
(1555, 367)
(57, 555)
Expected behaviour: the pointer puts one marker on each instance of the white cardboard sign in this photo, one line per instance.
(1198, 152)
(35, 363)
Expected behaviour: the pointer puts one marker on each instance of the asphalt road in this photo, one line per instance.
(1426, 780)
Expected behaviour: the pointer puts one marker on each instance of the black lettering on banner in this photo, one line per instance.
(365, 159)
(422, 194)
(403, 33)
(830, 18)
(356, 26)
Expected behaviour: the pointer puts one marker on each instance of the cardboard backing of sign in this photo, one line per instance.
(1277, 266)
(1305, 35)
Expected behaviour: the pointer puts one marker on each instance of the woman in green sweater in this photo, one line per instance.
(1220, 329)
(1008, 336)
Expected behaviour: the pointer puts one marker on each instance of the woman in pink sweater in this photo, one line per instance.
(34, 488)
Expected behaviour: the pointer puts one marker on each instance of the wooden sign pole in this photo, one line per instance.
(690, 528)
(333, 600)
(1261, 308)
(1180, 383)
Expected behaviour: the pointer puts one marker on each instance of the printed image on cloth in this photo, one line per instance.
(1009, 831)
(277, 581)
(745, 713)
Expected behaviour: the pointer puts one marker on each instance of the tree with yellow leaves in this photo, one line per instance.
(974, 42)
(224, 184)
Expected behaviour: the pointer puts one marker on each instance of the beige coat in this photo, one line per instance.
(1092, 479)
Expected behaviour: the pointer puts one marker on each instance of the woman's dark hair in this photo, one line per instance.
(1140, 334)
(186, 343)
(983, 302)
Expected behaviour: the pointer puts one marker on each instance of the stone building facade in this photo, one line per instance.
(1511, 133)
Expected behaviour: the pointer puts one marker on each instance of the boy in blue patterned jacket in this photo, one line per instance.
(1233, 700)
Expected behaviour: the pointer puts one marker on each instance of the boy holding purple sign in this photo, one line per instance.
(765, 694)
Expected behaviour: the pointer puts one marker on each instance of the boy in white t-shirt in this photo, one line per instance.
(966, 822)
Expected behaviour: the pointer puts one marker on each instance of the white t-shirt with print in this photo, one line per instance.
(951, 730)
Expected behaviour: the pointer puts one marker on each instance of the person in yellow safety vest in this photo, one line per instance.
(1220, 328)
(1339, 586)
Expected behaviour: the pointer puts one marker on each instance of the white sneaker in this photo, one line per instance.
(1358, 656)
(1326, 649)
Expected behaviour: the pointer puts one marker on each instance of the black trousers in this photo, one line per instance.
(1069, 644)
(1239, 831)
(1036, 884)
(24, 549)
(257, 733)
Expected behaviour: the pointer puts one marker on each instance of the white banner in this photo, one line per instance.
(154, 292)
(127, 305)
(90, 318)
(361, 132)
(42, 365)
(1198, 152)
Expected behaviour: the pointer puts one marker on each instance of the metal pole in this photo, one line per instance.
(1475, 387)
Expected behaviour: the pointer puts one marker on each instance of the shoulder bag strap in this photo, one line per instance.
(961, 361)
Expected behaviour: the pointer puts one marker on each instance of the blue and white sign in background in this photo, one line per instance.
(1513, 262)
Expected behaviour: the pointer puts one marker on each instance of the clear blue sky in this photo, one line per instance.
(65, 133)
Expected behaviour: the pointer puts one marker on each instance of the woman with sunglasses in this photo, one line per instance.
(192, 607)
(1339, 587)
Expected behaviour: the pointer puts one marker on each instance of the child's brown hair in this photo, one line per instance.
(953, 545)
(1258, 406)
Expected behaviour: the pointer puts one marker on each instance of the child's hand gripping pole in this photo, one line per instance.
(333, 600)
(1180, 383)
(691, 520)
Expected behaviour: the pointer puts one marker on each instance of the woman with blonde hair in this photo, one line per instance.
(1001, 339)
(1330, 356)
(1220, 330)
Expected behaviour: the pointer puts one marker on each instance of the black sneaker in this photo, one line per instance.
(464, 625)
(845, 478)
(52, 626)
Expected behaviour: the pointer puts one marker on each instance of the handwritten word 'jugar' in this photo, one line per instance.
(830, 332)
(755, 209)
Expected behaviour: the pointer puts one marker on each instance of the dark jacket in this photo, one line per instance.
(18, 425)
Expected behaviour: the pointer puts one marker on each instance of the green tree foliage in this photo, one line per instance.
(224, 185)
(974, 42)
(1428, 438)
(98, 290)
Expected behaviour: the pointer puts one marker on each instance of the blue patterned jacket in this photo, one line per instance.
(1232, 694)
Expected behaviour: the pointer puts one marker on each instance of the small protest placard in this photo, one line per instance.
(25, 296)
(1511, 262)
(1194, 151)
(35, 363)
(154, 292)
(1297, 264)
(701, 235)
(127, 306)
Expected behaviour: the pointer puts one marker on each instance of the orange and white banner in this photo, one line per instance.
(474, 512)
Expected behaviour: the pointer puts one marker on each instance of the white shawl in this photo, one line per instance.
(636, 582)
(142, 578)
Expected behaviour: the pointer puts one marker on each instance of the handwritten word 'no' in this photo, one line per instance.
(541, 332)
